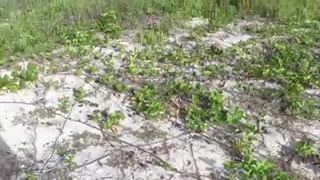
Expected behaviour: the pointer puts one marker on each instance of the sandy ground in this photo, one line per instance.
(36, 135)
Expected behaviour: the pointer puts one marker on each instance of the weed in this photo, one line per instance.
(2, 52)
(248, 166)
(109, 25)
(287, 62)
(8, 84)
(81, 65)
(79, 94)
(69, 160)
(147, 101)
(110, 81)
(109, 63)
(178, 57)
(107, 120)
(31, 176)
(113, 119)
(35, 33)
(95, 116)
(25, 78)
(76, 52)
(64, 104)
(194, 119)
(304, 148)
(150, 70)
(120, 87)
(75, 38)
(298, 103)
(251, 168)
(152, 37)
(132, 59)
(19, 79)
(147, 54)
(67, 67)
(198, 32)
(214, 70)
(92, 69)
(205, 107)
(234, 116)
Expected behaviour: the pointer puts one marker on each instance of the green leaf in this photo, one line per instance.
(234, 116)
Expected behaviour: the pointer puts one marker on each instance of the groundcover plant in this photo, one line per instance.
(160, 89)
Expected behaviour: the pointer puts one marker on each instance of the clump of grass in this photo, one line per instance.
(38, 25)
(152, 37)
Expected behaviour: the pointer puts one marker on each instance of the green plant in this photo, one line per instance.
(132, 59)
(108, 62)
(304, 148)
(247, 166)
(120, 87)
(147, 101)
(108, 24)
(30, 32)
(194, 119)
(113, 119)
(76, 52)
(298, 102)
(234, 116)
(8, 84)
(95, 116)
(107, 120)
(79, 94)
(67, 67)
(179, 57)
(289, 62)
(152, 37)
(110, 81)
(26, 77)
(31, 176)
(205, 107)
(19, 79)
(75, 38)
(150, 70)
(2, 52)
(251, 168)
(92, 69)
(69, 160)
(64, 104)
(214, 70)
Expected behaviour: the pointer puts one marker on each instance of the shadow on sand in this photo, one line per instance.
(8, 162)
